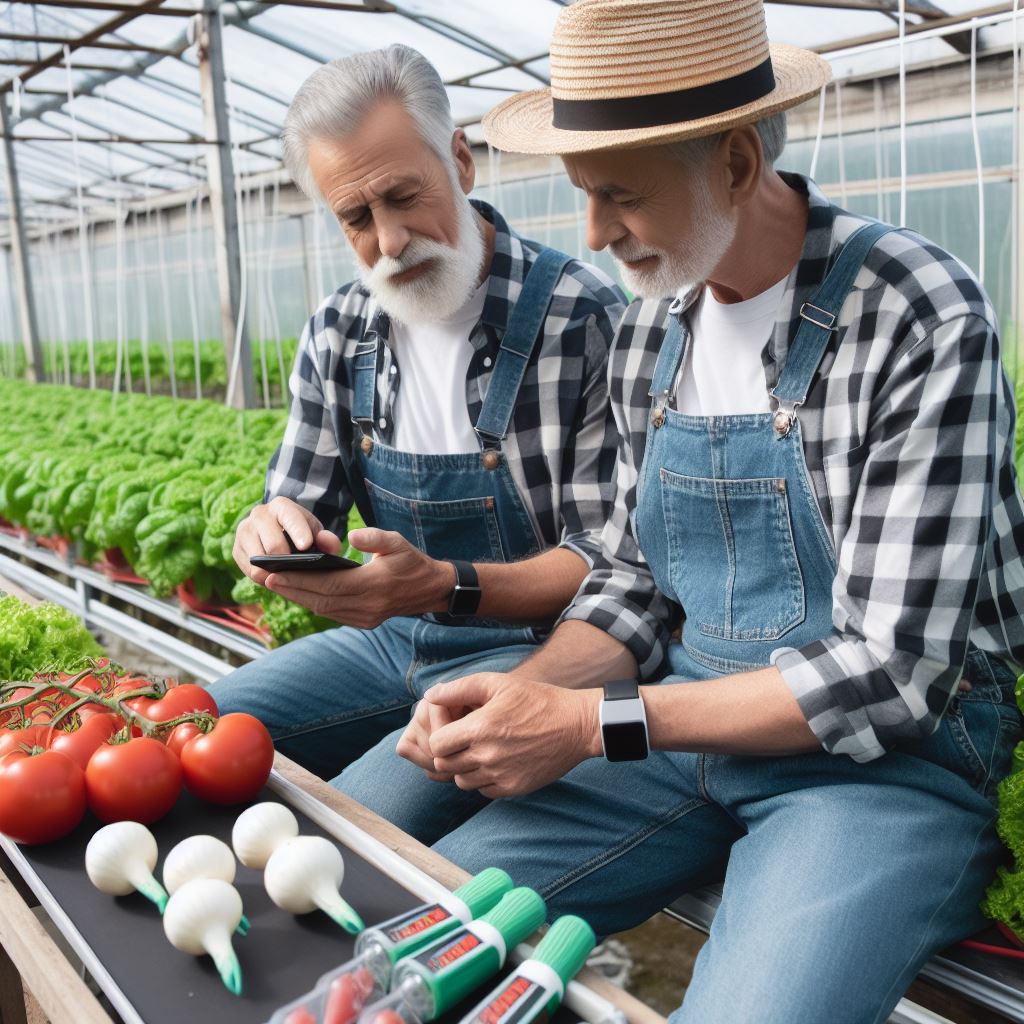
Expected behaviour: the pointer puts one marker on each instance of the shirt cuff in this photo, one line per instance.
(645, 639)
(817, 678)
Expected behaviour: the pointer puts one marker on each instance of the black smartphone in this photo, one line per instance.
(303, 561)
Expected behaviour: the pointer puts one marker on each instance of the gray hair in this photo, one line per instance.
(333, 101)
(695, 153)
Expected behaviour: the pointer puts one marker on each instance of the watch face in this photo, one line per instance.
(625, 741)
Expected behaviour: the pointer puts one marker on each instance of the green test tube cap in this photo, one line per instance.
(566, 946)
(517, 916)
(483, 891)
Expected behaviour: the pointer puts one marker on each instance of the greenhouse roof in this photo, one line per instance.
(122, 78)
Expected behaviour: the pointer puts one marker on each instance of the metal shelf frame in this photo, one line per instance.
(82, 597)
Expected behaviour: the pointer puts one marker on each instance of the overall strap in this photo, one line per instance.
(517, 345)
(670, 356)
(818, 318)
(364, 379)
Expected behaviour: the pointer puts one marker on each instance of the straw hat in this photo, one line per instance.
(629, 73)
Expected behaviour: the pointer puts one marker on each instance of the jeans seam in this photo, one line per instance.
(931, 920)
(624, 846)
(353, 716)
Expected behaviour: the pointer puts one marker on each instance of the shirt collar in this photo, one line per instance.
(820, 242)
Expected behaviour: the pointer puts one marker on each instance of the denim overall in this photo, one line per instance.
(841, 878)
(726, 516)
(330, 697)
(463, 506)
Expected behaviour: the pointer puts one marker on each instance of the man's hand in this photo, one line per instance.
(400, 580)
(262, 532)
(414, 743)
(519, 736)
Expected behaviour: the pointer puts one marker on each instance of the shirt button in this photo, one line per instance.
(487, 360)
(382, 423)
(394, 369)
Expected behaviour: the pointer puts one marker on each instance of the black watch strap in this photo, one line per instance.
(621, 689)
(465, 598)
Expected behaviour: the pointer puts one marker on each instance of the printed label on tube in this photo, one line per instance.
(418, 921)
(521, 1000)
(443, 954)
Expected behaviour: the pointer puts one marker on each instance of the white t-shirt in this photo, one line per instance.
(722, 374)
(431, 417)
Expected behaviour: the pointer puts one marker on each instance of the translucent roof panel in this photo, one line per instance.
(484, 50)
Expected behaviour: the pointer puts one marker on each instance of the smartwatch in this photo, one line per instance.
(624, 722)
(465, 598)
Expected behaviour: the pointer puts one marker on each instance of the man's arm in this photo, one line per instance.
(523, 735)
(401, 580)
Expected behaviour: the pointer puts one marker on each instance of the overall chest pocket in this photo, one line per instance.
(732, 559)
(465, 529)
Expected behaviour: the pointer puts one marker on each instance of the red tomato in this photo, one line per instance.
(180, 735)
(135, 781)
(42, 796)
(182, 700)
(81, 744)
(231, 763)
(31, 736)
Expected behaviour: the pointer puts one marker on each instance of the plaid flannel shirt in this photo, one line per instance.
(908, 438)
(561, 443)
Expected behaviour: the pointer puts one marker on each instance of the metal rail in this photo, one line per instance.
(82, 596)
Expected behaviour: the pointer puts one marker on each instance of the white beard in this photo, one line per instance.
(444, 287)
(690, 262)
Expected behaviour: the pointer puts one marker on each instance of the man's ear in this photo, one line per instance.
(743, 163)
(464, 162)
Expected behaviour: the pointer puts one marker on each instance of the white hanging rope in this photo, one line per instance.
(236, 354)
(83, 248)
(256, 199)
(549, 215)
(879, 169)
(59, 277)
(122, 362)
(979, 163)
(142, 291)
(192, 303)
(839, 143)
(821, 131)
(166, 296)
(903, 112)
(275, 321)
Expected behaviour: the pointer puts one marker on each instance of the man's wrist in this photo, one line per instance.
(444, 580)
(592, 745)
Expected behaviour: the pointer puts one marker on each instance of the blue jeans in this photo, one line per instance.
(328, 698)
(841, 879)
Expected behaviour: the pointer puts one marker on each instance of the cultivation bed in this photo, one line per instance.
(82, 595)
(122, 946)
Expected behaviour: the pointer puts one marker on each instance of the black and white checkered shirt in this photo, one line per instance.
(908, 438)
(561, 443)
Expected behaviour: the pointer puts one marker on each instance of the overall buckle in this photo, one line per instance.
(824, 319)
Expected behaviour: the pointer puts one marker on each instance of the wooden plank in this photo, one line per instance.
(12, 996)
(447, 873)
(45, 972)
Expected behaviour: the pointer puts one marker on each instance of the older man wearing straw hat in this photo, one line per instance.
(816, 546)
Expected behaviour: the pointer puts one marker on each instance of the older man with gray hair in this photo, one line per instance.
(456, 394)
(816, 548)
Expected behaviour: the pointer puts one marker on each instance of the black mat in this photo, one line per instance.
(281, 957)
